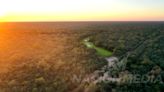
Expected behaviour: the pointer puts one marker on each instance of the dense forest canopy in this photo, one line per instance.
(45, 57)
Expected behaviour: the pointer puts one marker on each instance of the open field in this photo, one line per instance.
(49, 57)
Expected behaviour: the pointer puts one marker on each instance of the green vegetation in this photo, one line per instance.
(49, 57)
(100, 51)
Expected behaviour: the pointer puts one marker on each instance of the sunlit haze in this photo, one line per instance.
(81, 10)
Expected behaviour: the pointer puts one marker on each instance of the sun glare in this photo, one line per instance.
(2, 13)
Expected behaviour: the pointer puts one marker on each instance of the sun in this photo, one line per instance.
(2, 13)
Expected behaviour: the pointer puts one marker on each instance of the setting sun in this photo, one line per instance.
(2, 13)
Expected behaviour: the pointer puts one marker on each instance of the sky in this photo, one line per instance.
(81, 10)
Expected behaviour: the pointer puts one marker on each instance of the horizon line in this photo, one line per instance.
(91, 21)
